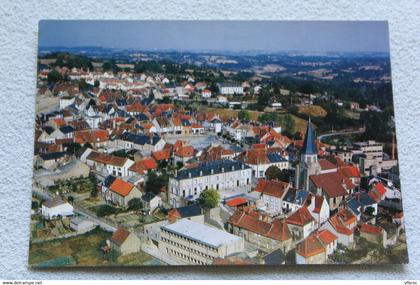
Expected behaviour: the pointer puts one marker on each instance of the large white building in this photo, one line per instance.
(195, 243)
(188, 184)
(373, 161)
(230, 89)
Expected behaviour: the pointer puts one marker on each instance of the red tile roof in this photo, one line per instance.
(106, 158)
(161, 154)
(236, 202)
(350, 171)
(300, 217)
(143, 165)
(342, 220)
(326, 164)
(310, 246)
(121, 187)
(119, 236)
(90, 136)
(371, 229)
(331, 183)
(273, 188)
(326, 236)
(185, 151)
(276, 230)
(380, 188)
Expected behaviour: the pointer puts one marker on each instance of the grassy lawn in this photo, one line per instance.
(82, 250)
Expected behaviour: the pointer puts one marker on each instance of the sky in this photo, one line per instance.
(267, 36)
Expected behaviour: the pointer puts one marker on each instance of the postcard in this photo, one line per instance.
(215, 143)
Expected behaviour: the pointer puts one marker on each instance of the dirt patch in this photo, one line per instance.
(313, 111)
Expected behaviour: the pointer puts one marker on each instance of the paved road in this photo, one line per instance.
(360, 131)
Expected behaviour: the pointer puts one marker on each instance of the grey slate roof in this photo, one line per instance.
(207, 167)
(309, 146)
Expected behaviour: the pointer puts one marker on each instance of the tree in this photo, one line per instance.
(209, 198)
(34, 205)
(135, 204)
(288, 124)
(244, 115)
(155, 183)
(72, 147)
(273, 172)
(82, 84)
(54, 76)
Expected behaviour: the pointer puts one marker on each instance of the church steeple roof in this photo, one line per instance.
(309, 146)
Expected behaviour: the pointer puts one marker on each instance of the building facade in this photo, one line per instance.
(188, 184)
(195, 243)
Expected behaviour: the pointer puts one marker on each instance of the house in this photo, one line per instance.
(215, 152)
(151, 201)
(52, 160)
(162, 155)
(301, 223)
(310, 251)
(342, 225)
(162, 125)
(319, 208)
(182, 152)
(124, 242)
(272, 193)
(121, 192)
(316, 248)
(293, 200)
(142, 166)
(206, 93)
(261, 159)
(373, 233)
(56, 208)
(253, 228)
(96, 138)
(109, 164)
(333, 186)
(197, 129)
(190, 212)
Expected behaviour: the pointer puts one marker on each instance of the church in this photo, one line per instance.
(309, 164)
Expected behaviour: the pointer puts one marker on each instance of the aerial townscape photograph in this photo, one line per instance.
(215, 143)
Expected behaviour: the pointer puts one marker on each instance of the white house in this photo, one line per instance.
(319, 208)
(56, 208)
(272, 193)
